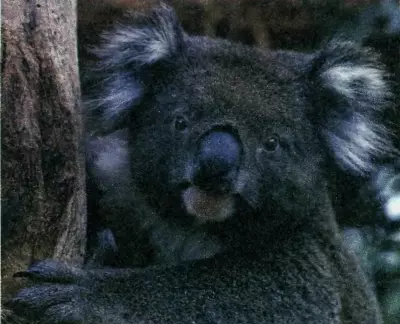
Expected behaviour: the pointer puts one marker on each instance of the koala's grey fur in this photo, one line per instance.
(270, 249)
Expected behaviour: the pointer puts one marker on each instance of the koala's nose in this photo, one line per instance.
(217, 160)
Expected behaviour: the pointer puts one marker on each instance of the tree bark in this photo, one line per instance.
(43, 179)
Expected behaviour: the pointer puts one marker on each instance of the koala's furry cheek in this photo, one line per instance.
(206, 206)
(109, 161)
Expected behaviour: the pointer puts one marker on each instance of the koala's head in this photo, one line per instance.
(211, 122)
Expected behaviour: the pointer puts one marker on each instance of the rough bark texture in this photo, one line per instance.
(43, 190)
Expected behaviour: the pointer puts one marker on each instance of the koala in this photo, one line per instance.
(225, 150)
(172, 234)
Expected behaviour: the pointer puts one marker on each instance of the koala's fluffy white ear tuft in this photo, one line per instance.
(352, 95)
(124, 64)
(143, 39)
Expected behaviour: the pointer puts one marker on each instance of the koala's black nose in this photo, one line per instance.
(217, 160)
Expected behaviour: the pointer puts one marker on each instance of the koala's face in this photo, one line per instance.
(212, 123)
(217, 131)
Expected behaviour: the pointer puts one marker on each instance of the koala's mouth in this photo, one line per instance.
(208, 206)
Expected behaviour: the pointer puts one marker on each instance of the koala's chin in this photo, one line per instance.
(208, 206)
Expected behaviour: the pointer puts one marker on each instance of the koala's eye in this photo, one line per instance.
(272, 143)
(181, 123)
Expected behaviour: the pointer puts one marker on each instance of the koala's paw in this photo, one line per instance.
(52, 271)
(57, 297)
(105, 251)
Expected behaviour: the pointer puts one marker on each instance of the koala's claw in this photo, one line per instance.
(51, 271)
(54, 303)
(55, 300)
(24, 274)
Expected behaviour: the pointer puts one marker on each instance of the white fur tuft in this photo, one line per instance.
(125, 53)
(356, 142)
(386, 182)
(155, 39)
(119, 95)
(155, 44)
(343, 77)
(110, 161)
(359, 92)
(392, 208)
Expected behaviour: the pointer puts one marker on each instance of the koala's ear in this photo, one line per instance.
(350, 93)
(131, 56)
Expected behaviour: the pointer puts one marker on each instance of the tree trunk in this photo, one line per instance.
(43, 179)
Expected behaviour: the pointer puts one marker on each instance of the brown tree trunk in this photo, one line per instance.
(43, 188)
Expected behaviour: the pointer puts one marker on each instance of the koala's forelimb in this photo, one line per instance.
(225, 289)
